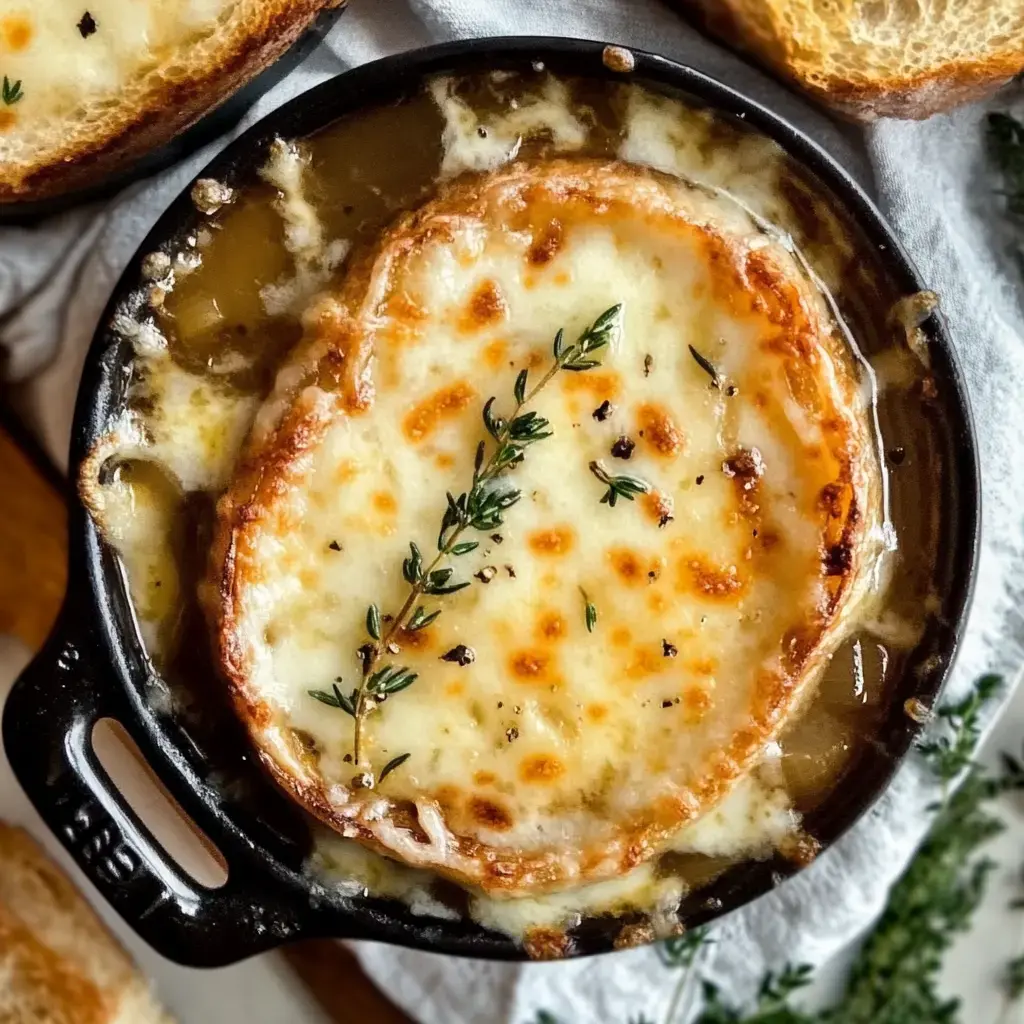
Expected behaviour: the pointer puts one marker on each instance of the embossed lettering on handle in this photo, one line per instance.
(95, 837)
(48, 723)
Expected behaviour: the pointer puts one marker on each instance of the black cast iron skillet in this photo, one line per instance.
(94, 666)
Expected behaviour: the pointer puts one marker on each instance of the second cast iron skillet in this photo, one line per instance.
(94, 666)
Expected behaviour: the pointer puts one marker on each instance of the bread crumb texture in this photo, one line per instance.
(58, 962)
(878, 58)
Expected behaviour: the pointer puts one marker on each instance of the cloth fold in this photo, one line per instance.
(930, 178)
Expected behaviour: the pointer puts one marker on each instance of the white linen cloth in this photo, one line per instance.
(930, 179)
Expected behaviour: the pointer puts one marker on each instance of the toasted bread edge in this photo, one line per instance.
(167, 110)
(914, 98)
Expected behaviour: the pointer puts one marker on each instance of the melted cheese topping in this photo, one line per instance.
(63, 68)
(315, 259)
(660, 133)
(714, 602)
(475, 142)
(750, 822)
(138, 518)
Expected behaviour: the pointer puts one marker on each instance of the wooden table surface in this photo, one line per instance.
(33, 555)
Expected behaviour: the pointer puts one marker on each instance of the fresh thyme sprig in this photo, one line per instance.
(680, 953)
(772, 1005)
(10, 92)
(481, 508)
(682, 950)
(948, 755)
(621, 486)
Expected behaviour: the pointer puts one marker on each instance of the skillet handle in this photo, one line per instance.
(47, 732)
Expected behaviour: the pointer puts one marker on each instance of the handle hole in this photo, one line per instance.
(178, 835)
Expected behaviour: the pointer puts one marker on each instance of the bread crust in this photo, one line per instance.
(329, 377)
(59, 961)
(164, 110)
(753, 30)
(917, 98)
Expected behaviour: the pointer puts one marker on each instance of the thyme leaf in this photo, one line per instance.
(395, 762)
(420, 619)
(336, 699)
(707, 366)
(621, 486)
(373, 621)
(10, 92)
(589, 612)
(480, 508)
(388, 680)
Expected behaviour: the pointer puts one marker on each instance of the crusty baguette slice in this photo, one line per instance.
(84, 95)
(58, 962)
(877, 58)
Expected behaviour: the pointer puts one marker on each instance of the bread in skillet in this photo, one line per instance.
(556, 754)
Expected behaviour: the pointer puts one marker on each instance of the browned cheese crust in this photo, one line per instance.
(330, 377)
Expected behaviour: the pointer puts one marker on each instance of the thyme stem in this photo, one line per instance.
(480, 508)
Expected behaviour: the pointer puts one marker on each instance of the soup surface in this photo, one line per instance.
(645, 628)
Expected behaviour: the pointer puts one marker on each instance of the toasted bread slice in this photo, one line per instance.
(878, 58)
(58, 962)
(82, 95)
(560, 756)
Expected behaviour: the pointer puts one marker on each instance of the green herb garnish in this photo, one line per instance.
(10, 92)
(394, 763)
(681, 950)
(707, 366)
(481, 508)
(621, 486)
(950, 754)
(336, 699)
(772, 1005)
(589, 612)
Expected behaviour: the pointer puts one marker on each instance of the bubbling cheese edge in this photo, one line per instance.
(750, 822)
